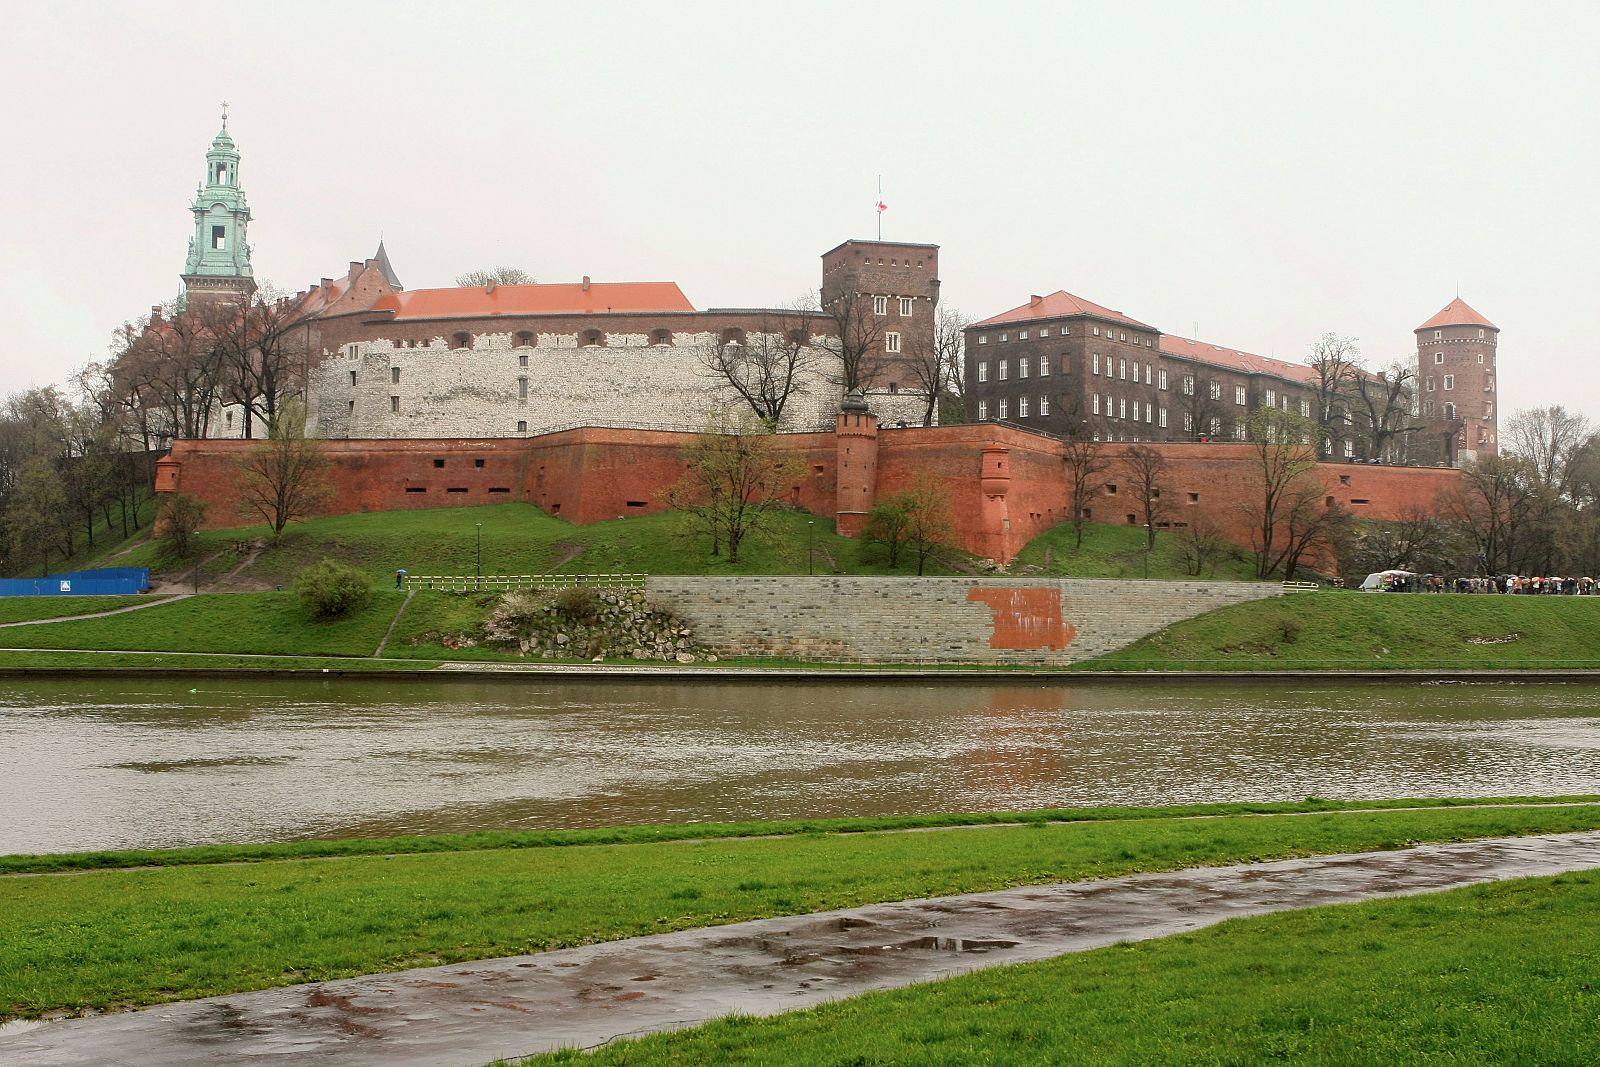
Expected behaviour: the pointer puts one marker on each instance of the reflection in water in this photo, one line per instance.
(101, 764)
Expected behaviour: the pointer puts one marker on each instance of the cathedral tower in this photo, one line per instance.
(218, 268)
(1456, 384)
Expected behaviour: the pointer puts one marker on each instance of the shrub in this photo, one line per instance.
(578, 603)
(178, 519)
(328, 589)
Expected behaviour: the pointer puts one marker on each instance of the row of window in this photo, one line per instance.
(1438, 357)
(1003, 366)
(1064, 331)
(1122, 370)
(1003, 408)
(880, 306)
(733, 335)
(1439, 334)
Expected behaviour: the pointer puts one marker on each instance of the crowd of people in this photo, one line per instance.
(1524, 585)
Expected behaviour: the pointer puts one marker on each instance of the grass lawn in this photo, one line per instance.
(1335, 629)
(119, 938)
(270, 623)
(1504, 973)
(24, 608)
(1113, 551)
(169, 662)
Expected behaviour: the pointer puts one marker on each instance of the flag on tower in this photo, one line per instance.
(882, 207)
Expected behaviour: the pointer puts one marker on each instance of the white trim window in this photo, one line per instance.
(1188, 387)
(906, 306)
(1147, 374)
(1096, 398)
(1003, 368)
(1122, 369)
(983, 372)
(1430, 383)
(1238, 395)
(1162, 376)
(1149, 409)
(880, 305)
(1272, 398)
(1305, 408)
(1161, 417)
(1449, 382)
(1096, 363)
(1044, 331)
(891, 342)
(1022, 407)
(983, 411)
(1002, 407)
(1044, 404)
(1438, 357)
(983, 338)
(1022, 366)
(1022, 335)
(1122, 408)
(1216, 389)
(1188, 422)
(1044, 366)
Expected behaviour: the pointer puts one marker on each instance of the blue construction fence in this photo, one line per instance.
(107, 581)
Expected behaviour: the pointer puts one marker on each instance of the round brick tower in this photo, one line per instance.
(857, 443)
(1456, 386)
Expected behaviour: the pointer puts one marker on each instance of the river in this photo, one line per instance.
(87, 764)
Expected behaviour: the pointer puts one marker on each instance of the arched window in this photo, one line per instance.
(733, 336)
(661, 337)
(1449, 411)
(461, 340)
(524, 339)
(592, 339)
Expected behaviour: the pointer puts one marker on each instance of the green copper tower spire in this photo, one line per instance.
(218, 267)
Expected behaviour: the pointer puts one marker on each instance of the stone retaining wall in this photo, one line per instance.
(942, 620)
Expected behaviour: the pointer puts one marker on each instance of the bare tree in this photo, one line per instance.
(1336, 363)
(1200, 542)
(1549, 439)
(283, 478)
(478, 279)
(772, 365)
(1147, 473)
(257, 345)
(857, 338)
(936, 365)
(1085, 460)
(1283, 470)
(1200, 403)
(1491, 503)
(734, 484)
(1386, 399)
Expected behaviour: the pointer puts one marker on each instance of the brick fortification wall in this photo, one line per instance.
(942, 620)
(1005, 487)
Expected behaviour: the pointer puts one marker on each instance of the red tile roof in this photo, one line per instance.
(1457, 313)
(1060, 304)
(1233, 359)
(540, 299)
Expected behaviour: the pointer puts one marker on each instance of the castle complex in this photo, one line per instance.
(579, 396)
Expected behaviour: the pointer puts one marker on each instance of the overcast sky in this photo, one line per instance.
(1267, 172)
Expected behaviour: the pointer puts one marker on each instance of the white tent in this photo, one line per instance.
(1379, 580)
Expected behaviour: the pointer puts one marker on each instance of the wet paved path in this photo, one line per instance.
(468, 1014)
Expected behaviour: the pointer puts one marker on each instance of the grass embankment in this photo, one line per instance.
(27, 608)
(120, 938)
(1111, 551)
(1332, 630)
(1499, 973)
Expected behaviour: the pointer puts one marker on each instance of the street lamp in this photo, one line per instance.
(811, 525)
(1147, 547)
(478, 574)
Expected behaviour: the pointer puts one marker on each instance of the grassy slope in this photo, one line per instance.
(118, 938)
(108, 542)
(1333, 629)
(1111, 551)
(22, 608)
(272, 623)
(1499, 973)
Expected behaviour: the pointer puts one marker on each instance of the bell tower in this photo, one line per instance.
(218, 267)
(1456, 383)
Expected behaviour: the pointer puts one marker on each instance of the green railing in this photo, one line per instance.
(504, 582)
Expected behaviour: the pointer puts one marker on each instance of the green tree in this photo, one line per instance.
(889, 525)
(178, 521)
(735, 480)
(37, 518)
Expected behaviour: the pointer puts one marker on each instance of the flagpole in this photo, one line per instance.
(879, 207)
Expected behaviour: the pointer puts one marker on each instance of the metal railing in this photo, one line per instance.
(1301, 587)
(459, 583)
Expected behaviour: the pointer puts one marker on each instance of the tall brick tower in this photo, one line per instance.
(1456, 384)
(218, 268)
(901, 280)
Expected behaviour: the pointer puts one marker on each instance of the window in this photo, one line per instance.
(1272, 399)
(906, 305)
(1122, 369)
(891, 342)
(983, 372)
(438, 463)
(880, 305)
(1044, 404)
(1022, 335)
(352, 379)
(983, 411)
(592, 339)
(1188, 422)
(1305, 409)
(460, 340)
(1349, 449)
(1449, 382)
(394, 375)
(394, 403)
(1449, 411)
(1163, 377)
(1148, 407)
(1111, 489)
(522, 426)
(1430, 383)
(1194, 498)
(1238, 395)
(1161, 417)
(1044, 331)
(1147, 374)
(522, 387)
(219, 237)
(524, 340)
(522, 360)
(1002, 369)
(1122, 408)
(1216, 426)
(1002, 407)
(983, 338)
(1488, 408)
(1238, 430)
(1188, 385)
(1022, 366)
(1480, 337)
(1044, 366)
(1216, 389)
(1437, 334)
(661, 338)
(1097, 331)
(478, 463)
(1480, 358)
(1096, 403)
(1022, 407)
(1097, 363)
(352, 408)
(1438, 357)
(1122, 337)
(1065, 331)
(1002, 338)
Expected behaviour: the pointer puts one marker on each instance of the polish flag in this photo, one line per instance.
(882, 207)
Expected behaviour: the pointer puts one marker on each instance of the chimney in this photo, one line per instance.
(1035, 300)
(327, 283)
(355, 268)
(586, 283)
(155, 310)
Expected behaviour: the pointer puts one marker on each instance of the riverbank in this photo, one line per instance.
(107, 939)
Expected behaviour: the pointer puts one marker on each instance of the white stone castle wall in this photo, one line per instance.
(474, 392)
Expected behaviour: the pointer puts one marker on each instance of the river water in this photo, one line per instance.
(148, 762)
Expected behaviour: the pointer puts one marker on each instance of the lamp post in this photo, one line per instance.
(811, 525)
(1147, 551)
(478, 570)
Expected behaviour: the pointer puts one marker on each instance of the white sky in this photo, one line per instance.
(1269, 171)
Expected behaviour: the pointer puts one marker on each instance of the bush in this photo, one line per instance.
(579, 603)
(329, 589)
(178, 519)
